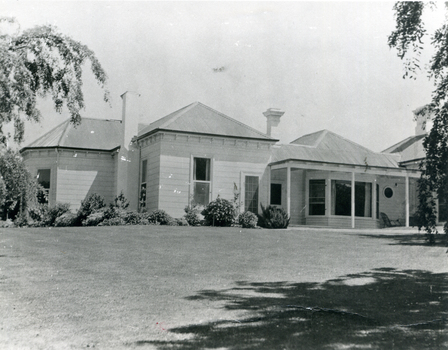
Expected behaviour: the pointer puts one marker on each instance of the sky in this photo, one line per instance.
(326, 64)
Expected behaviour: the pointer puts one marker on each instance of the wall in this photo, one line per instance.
(231, 161)
(150, 150)
(82, 173)
(43, 159)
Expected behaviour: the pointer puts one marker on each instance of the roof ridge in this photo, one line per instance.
(352, 142)
(48, 132)
(180, 111)
(64, 131)
(235, 120)
(311, 133)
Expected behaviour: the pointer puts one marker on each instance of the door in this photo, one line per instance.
(251, 194)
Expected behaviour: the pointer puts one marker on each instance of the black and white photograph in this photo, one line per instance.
(223, 175)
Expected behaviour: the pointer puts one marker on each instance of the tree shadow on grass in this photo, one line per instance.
(381, 309)
(410, 239)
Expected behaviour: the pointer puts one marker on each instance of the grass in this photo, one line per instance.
(154, 287)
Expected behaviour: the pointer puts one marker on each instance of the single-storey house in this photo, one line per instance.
(196, 154)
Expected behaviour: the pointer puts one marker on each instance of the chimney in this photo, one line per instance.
(424, 120)
(131, 114)
(273, 118)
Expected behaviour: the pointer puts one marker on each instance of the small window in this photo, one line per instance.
(44, 179)
(317, 197)
(201, 181)
(143, 183)
(388, 192)
(276, 194)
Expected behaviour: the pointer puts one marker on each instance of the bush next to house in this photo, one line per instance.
(92, 203)
(248, 220)
(45, 215)
(273, 217)
(66, 220)
(192, 215)
(219, 212)
(160, 217)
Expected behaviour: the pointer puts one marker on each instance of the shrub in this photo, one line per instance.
(94, 219)
(117, 221)
(65, 220)
(131, 218)
(219, 212)
(248, 220)
(20, 221)
(192, 215)
(160, 217)
(120, 202)
(273, 217)
(45, 215)
(92, 203)
(181, 222)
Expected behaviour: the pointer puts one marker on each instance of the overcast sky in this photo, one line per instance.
(326, 64)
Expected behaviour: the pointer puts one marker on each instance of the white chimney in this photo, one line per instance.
(131, 115)
(423, 119)
(273, 118)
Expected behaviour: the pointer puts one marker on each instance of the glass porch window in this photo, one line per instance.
(251, 194)
(341, 198)
(317, 197)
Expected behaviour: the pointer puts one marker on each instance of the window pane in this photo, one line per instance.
(317, 197)
(251, 194)
(201, 193)
(341, 193)
(201, 169)
(43, 177)
(144, 168)
(143, 195)
(363, 199)
(276, 194)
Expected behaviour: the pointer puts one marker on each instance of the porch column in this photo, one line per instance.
(407, 200)
(288, 190)
(353, 200)
(374, 199)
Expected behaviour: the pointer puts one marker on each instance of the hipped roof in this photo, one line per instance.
(410, 149)
(91, 134)
(198, 118)
(327, 147)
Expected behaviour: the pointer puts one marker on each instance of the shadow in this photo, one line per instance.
(381, 309)
(410, 239)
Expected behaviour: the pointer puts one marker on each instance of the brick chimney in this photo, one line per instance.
(273, 119)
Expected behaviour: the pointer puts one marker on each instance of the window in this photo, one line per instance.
(341, 198)
(44, 179)
(251, 194)
(388, 192)
(201, 181)
(377, 201)
(276, 194)
(317, 197)
(143, 183)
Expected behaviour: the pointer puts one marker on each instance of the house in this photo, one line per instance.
(196, 154)
(411, 152)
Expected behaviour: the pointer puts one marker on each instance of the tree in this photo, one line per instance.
(41, 62)
(408, 38)
(18, 188)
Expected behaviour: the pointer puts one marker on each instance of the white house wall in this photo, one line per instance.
(231, 161)
(83, 173)
(150, 150)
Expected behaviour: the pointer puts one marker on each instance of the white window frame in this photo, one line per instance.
(193, 181)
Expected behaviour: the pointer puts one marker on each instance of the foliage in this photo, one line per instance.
(41, 62)
(17, 186)
(248, 219)
(181, 222)
(192, 215)
(160, 217)
(92, 203)
(45, 215)
(407, 38)
(120, 202)
(219, 212)
(131, 218)
(273, 217)
(94, 219)
(65, 220)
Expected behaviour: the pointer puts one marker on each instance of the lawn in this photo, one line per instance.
(155, 287)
